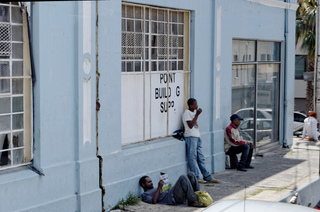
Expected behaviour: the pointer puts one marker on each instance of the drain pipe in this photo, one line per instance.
(316, 66)
(285, 144)
(316, 60)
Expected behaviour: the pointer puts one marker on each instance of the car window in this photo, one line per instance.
(261, 125)
(267, 125)
(246, 125)
(260, 115)
(251, 124)
(245, 114)
(264, 125)
(298, 117)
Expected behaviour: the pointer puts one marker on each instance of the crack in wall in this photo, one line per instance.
(103, 191)
(97, 140)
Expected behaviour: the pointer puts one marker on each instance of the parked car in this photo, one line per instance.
(266, 113)
(262, 113)
(245, 136)
(254, 206)
(264, 128)
(298, 123)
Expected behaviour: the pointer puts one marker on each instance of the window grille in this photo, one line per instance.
(5, 39)
(132, 45)
(15, 89)
(155, 71)
(147, 36)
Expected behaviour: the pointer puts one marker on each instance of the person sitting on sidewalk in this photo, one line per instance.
(310, 127)
(184, 189)
(194, 143)
(237, 144)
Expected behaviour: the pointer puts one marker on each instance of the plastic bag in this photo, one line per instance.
(204, 198)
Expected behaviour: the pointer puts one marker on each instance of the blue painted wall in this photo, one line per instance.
(71, 166)
(123, 166)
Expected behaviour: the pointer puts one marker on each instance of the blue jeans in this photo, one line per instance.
(195, 157)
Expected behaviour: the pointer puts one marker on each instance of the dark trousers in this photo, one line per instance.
(246, 155)
(185, 187)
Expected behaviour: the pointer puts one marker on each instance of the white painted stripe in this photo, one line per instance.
(279, 4)
(219, 31)
(86, 19)
(86, 111)
(218, 90)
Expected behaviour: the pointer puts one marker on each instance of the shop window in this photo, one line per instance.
(155, 71)
(256, 86)
(301, 66)
(15, 88)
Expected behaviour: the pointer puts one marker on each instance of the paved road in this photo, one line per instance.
(277, 174)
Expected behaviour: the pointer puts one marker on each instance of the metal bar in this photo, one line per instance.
(315, 81)
(168, 38)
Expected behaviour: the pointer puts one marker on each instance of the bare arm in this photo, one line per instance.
(194, 120)
(156, 195)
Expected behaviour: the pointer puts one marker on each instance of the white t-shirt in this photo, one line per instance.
(188, 116)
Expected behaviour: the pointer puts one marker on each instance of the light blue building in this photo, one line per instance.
(91, 92)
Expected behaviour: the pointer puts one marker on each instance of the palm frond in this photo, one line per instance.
(306, 24)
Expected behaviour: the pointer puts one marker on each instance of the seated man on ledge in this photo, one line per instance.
(237, 144)
(183, 190)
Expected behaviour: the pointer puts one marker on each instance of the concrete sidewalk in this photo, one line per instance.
(277, 174)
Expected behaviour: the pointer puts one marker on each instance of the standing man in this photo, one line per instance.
(310, 127)
(194, 143)
(238, 144)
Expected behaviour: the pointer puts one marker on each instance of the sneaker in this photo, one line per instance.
(212, 180)
(241, 169)
(196, 204)
(202, 181)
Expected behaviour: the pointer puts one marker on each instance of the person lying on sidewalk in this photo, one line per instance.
(184, 189)
(237, 144)
(310, 127)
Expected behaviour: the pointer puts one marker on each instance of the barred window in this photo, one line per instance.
(155, 71)
(15, 89)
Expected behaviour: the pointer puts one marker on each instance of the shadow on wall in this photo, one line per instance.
(4, 159)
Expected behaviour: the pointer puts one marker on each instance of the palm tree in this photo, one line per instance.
(305, 32)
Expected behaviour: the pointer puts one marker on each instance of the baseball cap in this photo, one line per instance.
(235, 116)
(311, 113)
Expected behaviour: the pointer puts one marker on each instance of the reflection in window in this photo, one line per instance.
(255, 88)
(243, 50)
(268, 51)
(301, 66)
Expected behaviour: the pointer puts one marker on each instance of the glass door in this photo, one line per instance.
(255, 89)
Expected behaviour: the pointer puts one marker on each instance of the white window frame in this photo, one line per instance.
(19, 136)
(177, 54)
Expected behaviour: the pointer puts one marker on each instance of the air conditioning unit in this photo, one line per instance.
(308, 76)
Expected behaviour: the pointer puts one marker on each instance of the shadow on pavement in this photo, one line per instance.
(232, 181)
